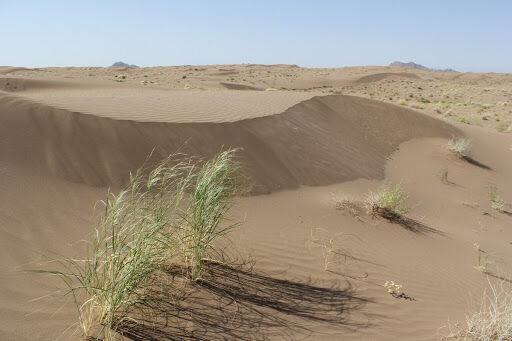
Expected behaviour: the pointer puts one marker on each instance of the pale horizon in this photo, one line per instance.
(466, 36)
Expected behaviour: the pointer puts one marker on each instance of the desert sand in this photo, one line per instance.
(313, 143)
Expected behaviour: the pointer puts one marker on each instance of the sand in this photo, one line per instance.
(68, 134)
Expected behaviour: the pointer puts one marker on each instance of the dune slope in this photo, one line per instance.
(317, 142)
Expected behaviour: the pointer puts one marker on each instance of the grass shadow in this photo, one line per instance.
(408, 223)
(501, 278)
(233, 303)
(476, 163)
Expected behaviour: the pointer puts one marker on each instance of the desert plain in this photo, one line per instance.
(312, 143)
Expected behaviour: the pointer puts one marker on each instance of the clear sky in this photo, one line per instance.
(464, 35)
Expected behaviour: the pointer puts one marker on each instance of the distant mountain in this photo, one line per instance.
(420, 67)
(121, 64)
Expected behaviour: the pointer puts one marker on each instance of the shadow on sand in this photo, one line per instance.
(476, 163)
(407, 223)
(233, 303)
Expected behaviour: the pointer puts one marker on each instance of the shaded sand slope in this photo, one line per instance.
(385, 75)
(317, 142)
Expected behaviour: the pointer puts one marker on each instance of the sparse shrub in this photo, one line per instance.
(462, 146)
(483, 260)
(387, 201)
(504, 128)
(497, 203)
(332, 249)
(493, 319)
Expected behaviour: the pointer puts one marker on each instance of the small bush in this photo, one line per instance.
(462, 146)
(387, 201)
(493, 319)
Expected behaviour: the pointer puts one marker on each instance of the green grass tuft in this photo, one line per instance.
(170, 213)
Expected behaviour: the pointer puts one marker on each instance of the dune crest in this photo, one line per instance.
(385, 75)
(320, 141)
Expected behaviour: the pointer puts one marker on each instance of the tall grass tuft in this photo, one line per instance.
(388, 201)
(142, 230)
(216, 184)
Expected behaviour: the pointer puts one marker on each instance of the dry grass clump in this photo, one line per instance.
(350, 207)
(493, 319)
(497, 203)
(483, 259)
(462, 146)
(153, 222)
(388, 201)
(444, 176)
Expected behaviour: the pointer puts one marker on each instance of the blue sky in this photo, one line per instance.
(465, 35)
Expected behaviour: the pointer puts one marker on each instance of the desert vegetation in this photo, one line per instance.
(388, 201)
(462, 146)
(492, 320)
(172, 213)
(497, 203)
(444, 176)
(483, 261)
(331, 246)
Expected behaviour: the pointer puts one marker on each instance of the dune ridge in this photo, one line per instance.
(385, 75)
(320, 141)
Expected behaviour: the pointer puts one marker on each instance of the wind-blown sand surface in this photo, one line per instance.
(66, 135)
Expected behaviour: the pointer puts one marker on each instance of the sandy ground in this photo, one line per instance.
(310, 138)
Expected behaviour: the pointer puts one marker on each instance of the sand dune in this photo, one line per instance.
(64, 141)
(317, 142)
(153, 104)
(4, 70)
(380, 76)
